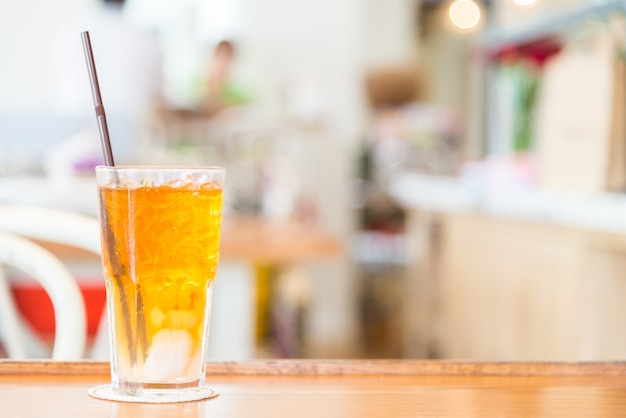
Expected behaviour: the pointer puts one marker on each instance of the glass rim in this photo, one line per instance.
(160, 168)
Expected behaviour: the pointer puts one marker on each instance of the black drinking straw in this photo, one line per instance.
(97, 101)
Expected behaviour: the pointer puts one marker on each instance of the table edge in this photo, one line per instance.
(341, 367)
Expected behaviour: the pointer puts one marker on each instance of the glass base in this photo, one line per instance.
(153, 395)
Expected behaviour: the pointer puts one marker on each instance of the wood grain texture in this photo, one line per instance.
(340, 367)
(288, 388)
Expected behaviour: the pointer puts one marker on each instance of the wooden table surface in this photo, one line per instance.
(295, 388)
(264, 241)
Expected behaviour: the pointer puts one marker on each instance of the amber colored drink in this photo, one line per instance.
(160, 244)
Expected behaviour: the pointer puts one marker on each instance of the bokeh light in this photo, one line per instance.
(525, 3)
(464, 14)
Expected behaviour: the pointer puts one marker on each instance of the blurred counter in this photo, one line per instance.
(513, 274)
(597, 212)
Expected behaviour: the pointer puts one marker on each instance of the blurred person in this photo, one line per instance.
(129, 67)
(221, 88)
(217, 96)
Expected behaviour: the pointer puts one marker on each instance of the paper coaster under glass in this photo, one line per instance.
(188, 395)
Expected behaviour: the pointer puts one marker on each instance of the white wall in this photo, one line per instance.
(31, 123)
(390, 33)
(27, 29)
(315, 43)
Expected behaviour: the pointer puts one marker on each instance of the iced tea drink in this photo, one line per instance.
(160, 249)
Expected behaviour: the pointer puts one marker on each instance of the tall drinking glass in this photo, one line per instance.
(160, 229)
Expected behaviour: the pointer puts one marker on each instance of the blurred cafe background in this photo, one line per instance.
(405, 178)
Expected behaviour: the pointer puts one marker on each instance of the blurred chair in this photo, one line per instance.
(18, 227)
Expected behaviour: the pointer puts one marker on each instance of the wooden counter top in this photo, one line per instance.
(293, 388)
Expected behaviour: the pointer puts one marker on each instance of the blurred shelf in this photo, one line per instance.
(550, 24)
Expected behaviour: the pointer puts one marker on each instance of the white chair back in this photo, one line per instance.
(17, 226)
